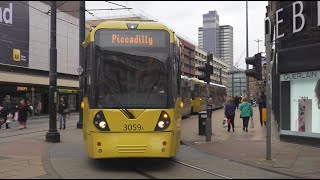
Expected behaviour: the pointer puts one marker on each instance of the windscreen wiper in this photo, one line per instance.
(129, 114)
(123, 110)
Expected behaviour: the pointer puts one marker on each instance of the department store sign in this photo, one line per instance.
(297, 16)
(300, 76)
(14, 33)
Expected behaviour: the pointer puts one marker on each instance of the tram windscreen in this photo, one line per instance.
(132, 68)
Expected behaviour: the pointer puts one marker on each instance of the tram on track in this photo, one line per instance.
(132, 102)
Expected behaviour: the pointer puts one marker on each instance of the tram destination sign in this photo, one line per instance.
(132, 38)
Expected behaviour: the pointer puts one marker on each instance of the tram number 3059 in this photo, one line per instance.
(132, 127)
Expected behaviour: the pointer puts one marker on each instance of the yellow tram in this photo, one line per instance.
(194, 95)
(132, 103)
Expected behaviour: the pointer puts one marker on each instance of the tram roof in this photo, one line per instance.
(150, 25)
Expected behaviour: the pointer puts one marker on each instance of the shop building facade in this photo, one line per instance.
(25, 52)
(296, 70)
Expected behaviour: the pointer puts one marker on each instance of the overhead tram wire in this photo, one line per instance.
(125, 7)
(62, 4)
(116, 4)
(92, 14)
(58, 6)
(237, 63)
(46, 13)
(110, 9)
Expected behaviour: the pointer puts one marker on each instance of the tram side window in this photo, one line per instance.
(203, 92)
(196, 91)
(181, 89)
(178, 69)
(175, 77)
(85, 83)
(86, 73)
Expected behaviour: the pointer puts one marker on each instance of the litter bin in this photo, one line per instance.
(202, 122)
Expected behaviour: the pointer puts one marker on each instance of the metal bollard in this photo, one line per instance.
(209, 123)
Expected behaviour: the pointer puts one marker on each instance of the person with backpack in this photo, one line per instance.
(246, 112)
(229, 112)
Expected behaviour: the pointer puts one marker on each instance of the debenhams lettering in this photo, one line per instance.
(6, 14)
(295, 6)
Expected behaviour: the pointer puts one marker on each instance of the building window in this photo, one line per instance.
(304, 103)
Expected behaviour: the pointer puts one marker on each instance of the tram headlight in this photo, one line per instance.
(100, 122)
(103, 124)
(82, 104)
(181, 104)
(163, 121)
(165, 115)
(161, 124)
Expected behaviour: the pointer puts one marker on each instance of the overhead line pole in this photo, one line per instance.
(247, 45)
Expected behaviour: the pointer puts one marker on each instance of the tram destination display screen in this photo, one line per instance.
(132, 38)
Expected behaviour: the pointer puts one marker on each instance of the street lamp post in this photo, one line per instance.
(53, 135)
(232, 74)
(32, 91)
(269, 55)
(247, 45)
(209, 106)
(258, 41)
(190, 63)
(81, 59)
(240, 86)
(220, 73)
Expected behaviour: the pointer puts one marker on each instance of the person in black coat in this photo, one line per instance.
(23, 110)
(6, 110)
(229, 112)
(262, 104)
(237, 101)
(63, 110)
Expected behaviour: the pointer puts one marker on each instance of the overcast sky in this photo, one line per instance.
(185, 17)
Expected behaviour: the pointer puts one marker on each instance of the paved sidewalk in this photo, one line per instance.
(250, 147)
(22, 151)
(27, 155)
(41, 122)
(68, 161)
(47, 116)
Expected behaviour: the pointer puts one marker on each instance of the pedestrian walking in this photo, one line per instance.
(23, 110)
(262, 104)
(63, 111)
(38, 108)
(229, 112)
(237, 101)
(6, 111)
(246, 112)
